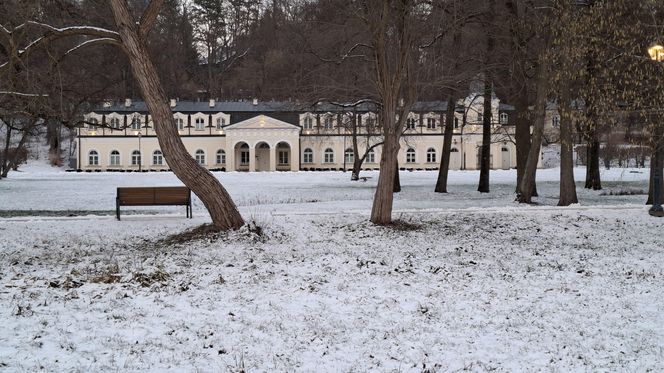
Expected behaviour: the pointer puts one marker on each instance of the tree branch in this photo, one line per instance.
(149, 17)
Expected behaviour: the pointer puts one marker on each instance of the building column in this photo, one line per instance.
(273, 158)
(295, 156)
(252, 159)
(230, 159)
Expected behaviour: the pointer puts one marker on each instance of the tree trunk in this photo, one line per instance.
(381, 212)
(357, 160)
(4, 167)
(441, 183)
(656, 167)
(592, 168)
(567, 186)
(222, 210)
(527, 182)
(397, 181)
(522, 139)
(485, 164)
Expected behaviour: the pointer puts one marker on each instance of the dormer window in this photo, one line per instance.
(92, 124)
(136, 123)
(480, 118)
(221, 122)
(431, 123)
(555, 121)
(115, 123)
(308, 122)
(504, 118)
(411, 123)
(179, 122)
(200, 124)
(327, 122)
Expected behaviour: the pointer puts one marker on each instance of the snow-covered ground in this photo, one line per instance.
(469, 282)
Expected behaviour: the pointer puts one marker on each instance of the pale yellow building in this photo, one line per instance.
(281, 136)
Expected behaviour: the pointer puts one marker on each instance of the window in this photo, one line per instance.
(328, 156)
(93, 158)
(456, 123)
(283, 157)
(431, 155)
(221, 156)
(221, 122)
(504, 118)
(480, 117)
(411, 123)
(180, 123)
(135, 158)
(115, 123)
(454, 150)
(555, 121)
(358, 120)
(308, 156)
(244, 157)
(371, 156)
(349, 156)
(200, 156)
(136, 123)
(327, 122)
(431, 123)
(200, 124)
(115, 158)
(92, 124)
(371, 122)
(308, 122)
(410, 155)
(157, 158)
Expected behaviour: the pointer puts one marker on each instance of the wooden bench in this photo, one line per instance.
(153, 196)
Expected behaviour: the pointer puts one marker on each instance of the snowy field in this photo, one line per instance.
(469, 281)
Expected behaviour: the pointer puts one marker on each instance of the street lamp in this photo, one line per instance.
(656, 52)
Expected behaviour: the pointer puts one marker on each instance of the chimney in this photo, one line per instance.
(255, 102)
(127, 102)
(212, 103)
(173, 102)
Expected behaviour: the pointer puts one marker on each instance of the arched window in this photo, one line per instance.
(410, 155)
(136, 123)
(505, 149)
(221, 156)
(221, 122)
(180, 123)
(115, 158)
(349, 156)
(431, 123)
(454, 150)
(92, 124)
(135, 158)
(200, 124)
(328, 156)
(308, 156)
(431, 155)
(504, 118)
(93, 158)
(157, 158)
(371, 156)
(200, 156)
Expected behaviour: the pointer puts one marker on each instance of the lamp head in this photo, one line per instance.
(656, 52)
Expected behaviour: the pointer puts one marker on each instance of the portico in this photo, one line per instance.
(263, 143)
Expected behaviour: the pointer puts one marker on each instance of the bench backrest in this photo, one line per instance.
(147, 196)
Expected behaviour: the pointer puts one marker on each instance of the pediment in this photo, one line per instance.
(262, 122)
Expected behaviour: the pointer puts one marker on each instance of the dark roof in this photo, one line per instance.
(268, 106)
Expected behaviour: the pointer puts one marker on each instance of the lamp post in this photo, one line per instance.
(656, 52)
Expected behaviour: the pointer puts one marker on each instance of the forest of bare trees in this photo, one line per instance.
(59, 58)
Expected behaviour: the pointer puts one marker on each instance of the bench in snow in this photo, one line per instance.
(153, 196)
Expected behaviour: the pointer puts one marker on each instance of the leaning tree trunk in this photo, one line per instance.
(527, 182)
(218, 202)
(357, 160)
(567, 186)
(443, 172)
